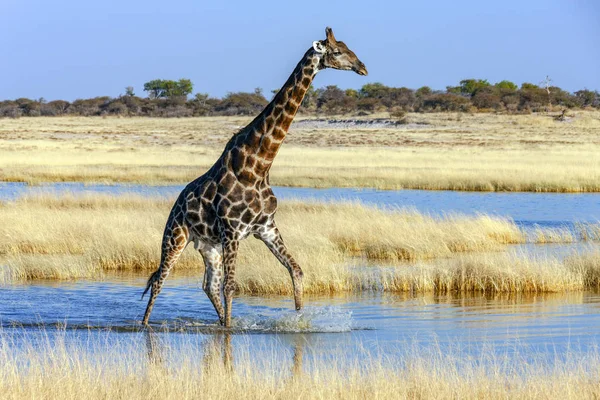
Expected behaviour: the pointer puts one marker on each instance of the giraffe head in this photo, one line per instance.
(337, 55)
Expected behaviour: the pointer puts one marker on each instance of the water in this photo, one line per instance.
(545, 209)
(359, 324)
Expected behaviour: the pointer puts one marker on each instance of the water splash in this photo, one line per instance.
(329, 319)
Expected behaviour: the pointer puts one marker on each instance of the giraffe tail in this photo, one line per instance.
(151, 280)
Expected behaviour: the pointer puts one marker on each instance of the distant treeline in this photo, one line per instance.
(171, 99)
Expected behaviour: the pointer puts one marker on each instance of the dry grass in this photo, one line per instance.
(73, 237)
(482, 152)
(588, 232)
(555, 235)
(70, 237)
(53, 369)
(488, 273)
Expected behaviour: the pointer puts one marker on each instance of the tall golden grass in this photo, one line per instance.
(480, 152)
(70, 237)
(57, 369)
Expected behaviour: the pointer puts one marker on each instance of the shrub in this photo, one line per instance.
(533, 98)
(241, 103)
(562, 98)
(56, 107)
(330, 95)
(527, 85)
(88, 107)
(510, 99)
(446, 102)
(398, 114)
(368, 105)
(116, 107)
(30, 108)
(471, 95)
(10, 109)
(423, 91)
(487, 97)
(588, 98)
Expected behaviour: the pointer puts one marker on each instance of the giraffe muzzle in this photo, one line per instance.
(360, 69)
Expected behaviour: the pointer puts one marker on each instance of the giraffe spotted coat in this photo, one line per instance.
(234, 200)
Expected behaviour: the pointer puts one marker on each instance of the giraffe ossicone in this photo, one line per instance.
(234, 200)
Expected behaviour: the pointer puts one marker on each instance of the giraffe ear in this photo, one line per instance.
(330, 37)
(318, 46)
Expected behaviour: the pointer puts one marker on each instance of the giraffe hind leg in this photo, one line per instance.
(174, 242)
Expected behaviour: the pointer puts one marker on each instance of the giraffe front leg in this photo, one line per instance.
(213, 279)
(230, 249)
(272, 238)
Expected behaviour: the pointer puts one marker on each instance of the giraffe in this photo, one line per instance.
(233, 199)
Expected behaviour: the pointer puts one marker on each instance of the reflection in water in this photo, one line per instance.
(154, 348)
(218, 349)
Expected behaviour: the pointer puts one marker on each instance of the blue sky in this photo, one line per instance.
(75, 49)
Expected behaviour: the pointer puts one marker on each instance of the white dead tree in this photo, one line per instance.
(546, 85)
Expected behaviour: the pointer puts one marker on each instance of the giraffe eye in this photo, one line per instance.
(337, 52)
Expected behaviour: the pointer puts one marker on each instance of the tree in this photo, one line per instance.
(159, 88)
(201, 98)
(180, 88)
(506, 85)
(471, 86)
(546, 85)
(200, 104)
(373, 90)
(155, 88)
(129, 91)
(351, 93)
(423, 91)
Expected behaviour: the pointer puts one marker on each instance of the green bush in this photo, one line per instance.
(506, 85)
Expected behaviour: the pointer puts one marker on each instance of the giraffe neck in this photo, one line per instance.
(265, 134)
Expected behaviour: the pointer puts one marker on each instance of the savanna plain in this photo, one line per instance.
(402, 301)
